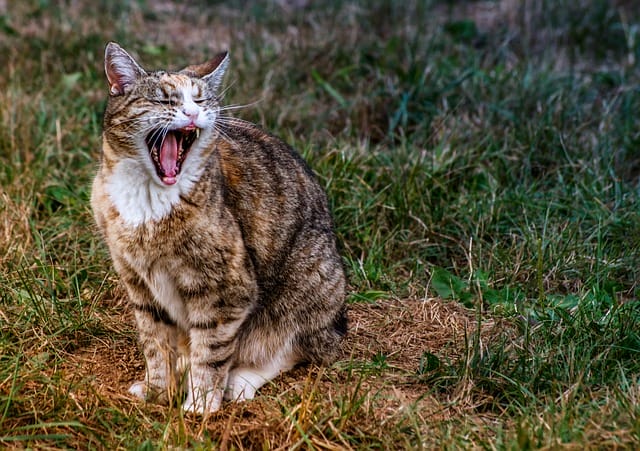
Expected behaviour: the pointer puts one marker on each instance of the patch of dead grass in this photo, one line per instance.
(328, 408)
(14, 223)
(404, 330)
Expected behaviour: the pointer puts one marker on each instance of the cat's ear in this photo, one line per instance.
(212, 71)
(122, 70)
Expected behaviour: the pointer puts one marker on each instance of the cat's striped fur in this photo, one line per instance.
(220, 234)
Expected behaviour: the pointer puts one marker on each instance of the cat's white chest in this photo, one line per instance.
(140, 199)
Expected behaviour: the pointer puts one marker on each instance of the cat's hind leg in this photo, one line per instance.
(245, 380)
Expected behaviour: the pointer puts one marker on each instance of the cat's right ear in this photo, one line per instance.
(122, 70)
(218, 66)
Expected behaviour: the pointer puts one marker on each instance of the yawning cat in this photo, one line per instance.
(219, 232)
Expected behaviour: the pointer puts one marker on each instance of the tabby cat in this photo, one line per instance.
(219, 232)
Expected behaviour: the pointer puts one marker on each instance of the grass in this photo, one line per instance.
(482, 163)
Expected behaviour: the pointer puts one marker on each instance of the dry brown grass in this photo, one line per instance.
(304, 401)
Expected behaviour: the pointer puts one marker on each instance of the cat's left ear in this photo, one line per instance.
(121, 69)
(212, 71)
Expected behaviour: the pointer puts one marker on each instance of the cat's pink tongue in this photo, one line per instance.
(169, 159)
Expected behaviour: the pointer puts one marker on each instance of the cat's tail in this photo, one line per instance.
(323, 346)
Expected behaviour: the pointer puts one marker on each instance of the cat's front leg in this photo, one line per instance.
(218, 294)
(158, 343)
(157, 334)
(212, 352)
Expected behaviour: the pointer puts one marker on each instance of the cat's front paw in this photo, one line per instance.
(150, 393)
(202, 403)
(239, 390)
(139, 389)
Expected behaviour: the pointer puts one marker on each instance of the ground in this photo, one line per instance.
(380, 361)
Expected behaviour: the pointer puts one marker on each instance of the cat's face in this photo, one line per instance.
(164, 120)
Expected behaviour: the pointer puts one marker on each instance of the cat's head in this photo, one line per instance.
(164, 120)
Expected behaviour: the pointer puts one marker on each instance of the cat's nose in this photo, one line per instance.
(191, 113)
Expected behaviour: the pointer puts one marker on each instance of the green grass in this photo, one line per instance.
(489, 160)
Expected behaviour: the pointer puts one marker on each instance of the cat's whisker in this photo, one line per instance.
(126, 123)
(155, 136)
(133, 123)
(156, 130)
(239, 105)
(222, 93)
(224, 136)
(231, 121)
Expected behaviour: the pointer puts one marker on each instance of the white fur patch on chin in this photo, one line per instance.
(140, 199)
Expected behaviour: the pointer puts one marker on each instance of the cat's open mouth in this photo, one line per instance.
(168, 151)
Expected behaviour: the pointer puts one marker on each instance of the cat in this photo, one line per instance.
(220, 234)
